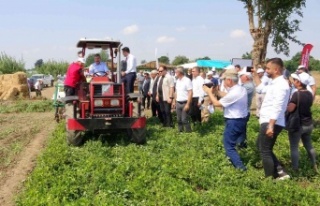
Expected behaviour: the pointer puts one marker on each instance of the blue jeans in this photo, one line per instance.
(234, 130)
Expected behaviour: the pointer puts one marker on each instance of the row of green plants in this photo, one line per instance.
(26, 106)
(171, 169)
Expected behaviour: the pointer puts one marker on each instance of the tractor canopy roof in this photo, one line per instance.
(98, 43)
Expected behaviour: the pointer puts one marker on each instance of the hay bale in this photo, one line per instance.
(19, 78)
(11, 94)
(13, 85)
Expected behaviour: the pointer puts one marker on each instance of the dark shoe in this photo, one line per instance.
(282, 175)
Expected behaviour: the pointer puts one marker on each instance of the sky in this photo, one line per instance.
(50, 29)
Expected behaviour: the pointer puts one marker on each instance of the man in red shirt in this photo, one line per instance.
(74, 77)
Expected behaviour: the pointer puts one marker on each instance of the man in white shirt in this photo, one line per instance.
(37, 87)
(235, 114)
(260, 93)
(153, 76)
(183, 98)
(272, 119)
(165, 92)
(129, 75)
(98, 68)
(197, 95)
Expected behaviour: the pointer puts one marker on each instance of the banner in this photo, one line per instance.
(305, 55)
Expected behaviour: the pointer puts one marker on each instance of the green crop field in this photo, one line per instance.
(172, 169)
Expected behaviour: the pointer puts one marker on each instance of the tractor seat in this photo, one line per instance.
(134, 96)
(70, 99)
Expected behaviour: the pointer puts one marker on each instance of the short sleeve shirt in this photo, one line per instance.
(183, 85)
(305, 103)
(235, 103)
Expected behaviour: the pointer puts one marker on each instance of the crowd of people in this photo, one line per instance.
(194, 94)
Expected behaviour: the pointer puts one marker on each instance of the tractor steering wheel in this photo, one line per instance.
(98, 74)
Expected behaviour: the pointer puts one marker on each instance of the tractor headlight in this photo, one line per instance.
(114, 102)
(98, 103)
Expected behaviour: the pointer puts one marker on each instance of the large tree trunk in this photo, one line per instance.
(260, 35)
(259, 50)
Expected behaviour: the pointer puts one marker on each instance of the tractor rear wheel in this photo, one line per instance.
(138, 136)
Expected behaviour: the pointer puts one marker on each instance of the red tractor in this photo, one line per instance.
(102, 104)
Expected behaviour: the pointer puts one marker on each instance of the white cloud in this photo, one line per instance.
(165, 39)
(238, 33)
(130, 29)
(181, 29)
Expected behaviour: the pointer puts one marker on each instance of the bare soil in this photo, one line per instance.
(22, 137)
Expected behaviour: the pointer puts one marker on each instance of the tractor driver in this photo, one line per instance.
(74, 77)
(98, 68)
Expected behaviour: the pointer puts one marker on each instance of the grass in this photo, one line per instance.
(172, 169)
(26, 106)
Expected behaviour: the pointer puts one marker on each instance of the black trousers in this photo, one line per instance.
(165, 108)
(146, 97)
(128, 80)
(195, 111)
(70, 91)
(155, 108)
(265, 146)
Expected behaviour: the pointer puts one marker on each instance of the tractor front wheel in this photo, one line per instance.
(138, 136)
(75, 138)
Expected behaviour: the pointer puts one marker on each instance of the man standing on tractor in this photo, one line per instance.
(129, 75)
(74, 77)
(98, 68)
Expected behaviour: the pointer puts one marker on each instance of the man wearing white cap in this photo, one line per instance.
(302, 101)
(312, 84)
(222, 87)
(74, 77)
(235, 114)
(246, 82)
(260, 93)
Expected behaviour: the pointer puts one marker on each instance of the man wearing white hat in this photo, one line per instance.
(235, 114)
(260, 93)
(74, 77)
(246, 82)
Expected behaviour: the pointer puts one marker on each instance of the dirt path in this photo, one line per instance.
(22, 137)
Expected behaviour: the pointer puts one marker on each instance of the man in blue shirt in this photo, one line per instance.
(98, 68)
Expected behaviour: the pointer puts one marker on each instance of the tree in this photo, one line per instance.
(203, 58)
(272, 19)
(164, 60)
(180, 60)
(38, 63)
(247, 55)
(90, 59)
(53, 67)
